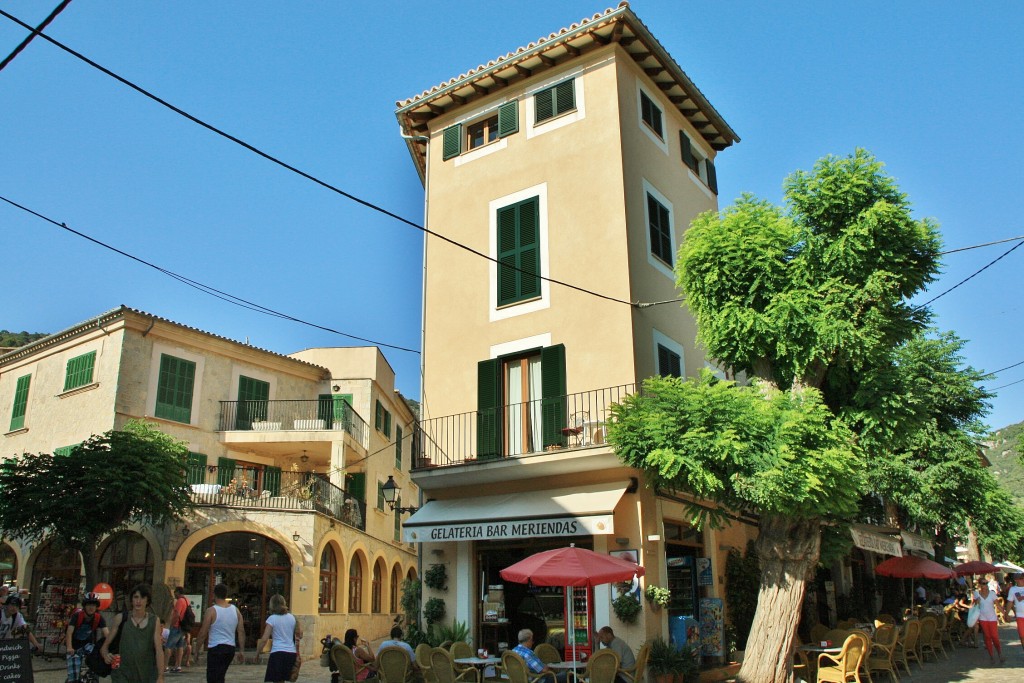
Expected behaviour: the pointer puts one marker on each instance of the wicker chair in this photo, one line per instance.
(942, 635)
(423, 662)
(547, 653)
(638, 673)
(846, 665)
(346, 664)
(881, 657)
(926, 641)
(442, 667)
(394, 665)
(906, 644)
(517, 672)
(602, 667)
(460, 649)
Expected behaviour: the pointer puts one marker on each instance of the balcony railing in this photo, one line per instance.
(300, 415)
(273, 489)
(550, 424)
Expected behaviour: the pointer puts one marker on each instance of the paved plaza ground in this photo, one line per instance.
(966, 664)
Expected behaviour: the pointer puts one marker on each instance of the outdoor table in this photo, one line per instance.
(566, 666)
(818, 649)
(478, 662)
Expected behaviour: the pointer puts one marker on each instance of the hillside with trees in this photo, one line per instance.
(1003, 450)
(9, 340)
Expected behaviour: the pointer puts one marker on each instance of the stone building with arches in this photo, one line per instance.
(286, 454)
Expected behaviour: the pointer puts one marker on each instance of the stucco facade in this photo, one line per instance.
(291, 471)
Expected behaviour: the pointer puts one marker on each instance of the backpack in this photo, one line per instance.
(188, 619)
(79, 617)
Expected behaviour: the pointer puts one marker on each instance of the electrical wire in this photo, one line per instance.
(207, 289)
(978, 246)
(34, 32)
(996, 372)
(1006, 385)
(972, 275)
(297, 171)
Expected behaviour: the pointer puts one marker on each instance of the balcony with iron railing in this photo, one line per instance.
(324, 414)
(554, 425)
(270, 488)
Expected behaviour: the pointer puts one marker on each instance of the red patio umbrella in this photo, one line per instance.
(975, 567)
(912, 567)
(571, 567)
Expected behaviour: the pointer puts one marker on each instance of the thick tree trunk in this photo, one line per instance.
(788, 549)
(973, 552)
(91, 560)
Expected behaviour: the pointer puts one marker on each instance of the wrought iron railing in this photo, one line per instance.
(270, 488)
(299, 415)
(549, 424)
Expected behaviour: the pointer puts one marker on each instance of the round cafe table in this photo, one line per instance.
(566, 666)
(818, 649)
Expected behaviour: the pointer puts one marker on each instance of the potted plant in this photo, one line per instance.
(433, 610)
(436, 577)
(662, 660)
(687, 664)
(657, 596)
(626, 608)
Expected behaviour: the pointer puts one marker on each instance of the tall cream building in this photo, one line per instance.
(289, 456)
(572, 166)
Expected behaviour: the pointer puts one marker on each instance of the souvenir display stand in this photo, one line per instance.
(55, 604)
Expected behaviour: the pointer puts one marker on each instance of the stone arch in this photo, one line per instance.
(329, 577)
(9, 555)
(126, 559)
(356, 573)
(395, 588)
(377, 586)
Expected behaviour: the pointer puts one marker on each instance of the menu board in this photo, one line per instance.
(15, 661)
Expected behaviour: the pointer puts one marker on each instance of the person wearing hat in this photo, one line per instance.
(85, 627)
(12, 624)
(1015, 599)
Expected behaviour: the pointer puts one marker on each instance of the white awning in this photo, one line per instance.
(919, 543)
(875, 542)
(574, 511)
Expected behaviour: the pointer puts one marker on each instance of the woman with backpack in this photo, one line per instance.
(284, 632)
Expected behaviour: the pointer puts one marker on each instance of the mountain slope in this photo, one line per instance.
(1001, 450)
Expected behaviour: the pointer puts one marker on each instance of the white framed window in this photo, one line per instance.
(558, 118)
(669, 356)
(651, 117)
(500, 205)
(659, 227)
(175, 379)
(701, 168)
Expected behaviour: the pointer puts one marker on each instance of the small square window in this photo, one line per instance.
(482, 132)
(650, 114)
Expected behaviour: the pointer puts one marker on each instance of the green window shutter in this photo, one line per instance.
(661, 230)
(357, 486)
(387, 423)
(712, 176)
(380, 495)
(508, 119)
(398, 519)
(519, 247)
(488, 409)
(687, 152)
(79, 371)
(553, 399)
(225, 471)
(65, 451)
(20, 402)
(544, 104)
(451, 144)
(272, 480)
(650, 113)
(196, 473)
(253, 395)
(174, 389)
(378, 421)
(398, 446)
(669, 362)
(555, 100)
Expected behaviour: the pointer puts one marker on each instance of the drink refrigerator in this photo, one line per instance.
(580, 609)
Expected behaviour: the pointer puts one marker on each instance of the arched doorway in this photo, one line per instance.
(53, 572)
(253, 567)
(8, 564)
(126, 562)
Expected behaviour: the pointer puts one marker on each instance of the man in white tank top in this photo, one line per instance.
(223, 624)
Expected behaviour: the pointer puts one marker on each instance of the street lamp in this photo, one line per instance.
(391, 491)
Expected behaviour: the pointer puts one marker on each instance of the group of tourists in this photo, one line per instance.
(988, 600)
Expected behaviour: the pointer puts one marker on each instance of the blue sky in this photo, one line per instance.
(934, 89)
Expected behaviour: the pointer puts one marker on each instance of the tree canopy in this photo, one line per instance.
(106, 483)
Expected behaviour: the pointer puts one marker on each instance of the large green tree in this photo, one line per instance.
(112, 480)
(804, 299)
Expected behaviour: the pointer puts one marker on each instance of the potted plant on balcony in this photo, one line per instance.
(657, 596)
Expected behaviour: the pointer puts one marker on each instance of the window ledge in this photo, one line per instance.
(560, 115)
(518, 303)
(171, 422)
(15, 432)
(78, 390)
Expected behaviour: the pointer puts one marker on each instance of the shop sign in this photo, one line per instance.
(918, 543)
(876, 543)
(511, 528)
(704, 574)
(712, 627)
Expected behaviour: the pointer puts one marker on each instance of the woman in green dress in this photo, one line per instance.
(141, 650)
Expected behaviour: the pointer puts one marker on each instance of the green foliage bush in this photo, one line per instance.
(626, 608)
(742, 584)
(436, 577)
(434, 610)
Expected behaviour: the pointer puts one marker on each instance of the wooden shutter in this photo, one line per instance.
(508, 118)
(272, 480)
(174, 389)
(519, 247)
(380, 495)
(529, 248)
(387, 423)
(398, 446)
(661, 232)
(451, 144)
(553, 398)
(669, 362)
(378, 420)
(20, 402)
(253, 395)
(565, 96)
(488, 409)
(79, 371)
(544, 104)
(196, 473)
(507, 242)
(357, 486)
(687, 152)
(712, 176)
(225, 471)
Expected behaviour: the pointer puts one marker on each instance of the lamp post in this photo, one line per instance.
(391, 491)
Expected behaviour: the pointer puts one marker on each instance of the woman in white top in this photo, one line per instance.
(284, 632)
(986, 598)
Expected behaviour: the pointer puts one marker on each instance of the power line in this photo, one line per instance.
(972, 275)
(996, 372)
(206, 289)
(28, 39)
(1006, 385)
(978, 246)
(293, 169)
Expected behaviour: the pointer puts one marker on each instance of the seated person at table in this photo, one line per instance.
(396, 641)
(608, 639)
(525, 650)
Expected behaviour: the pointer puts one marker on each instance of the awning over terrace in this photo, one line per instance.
(581, 510)
(867, 537)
